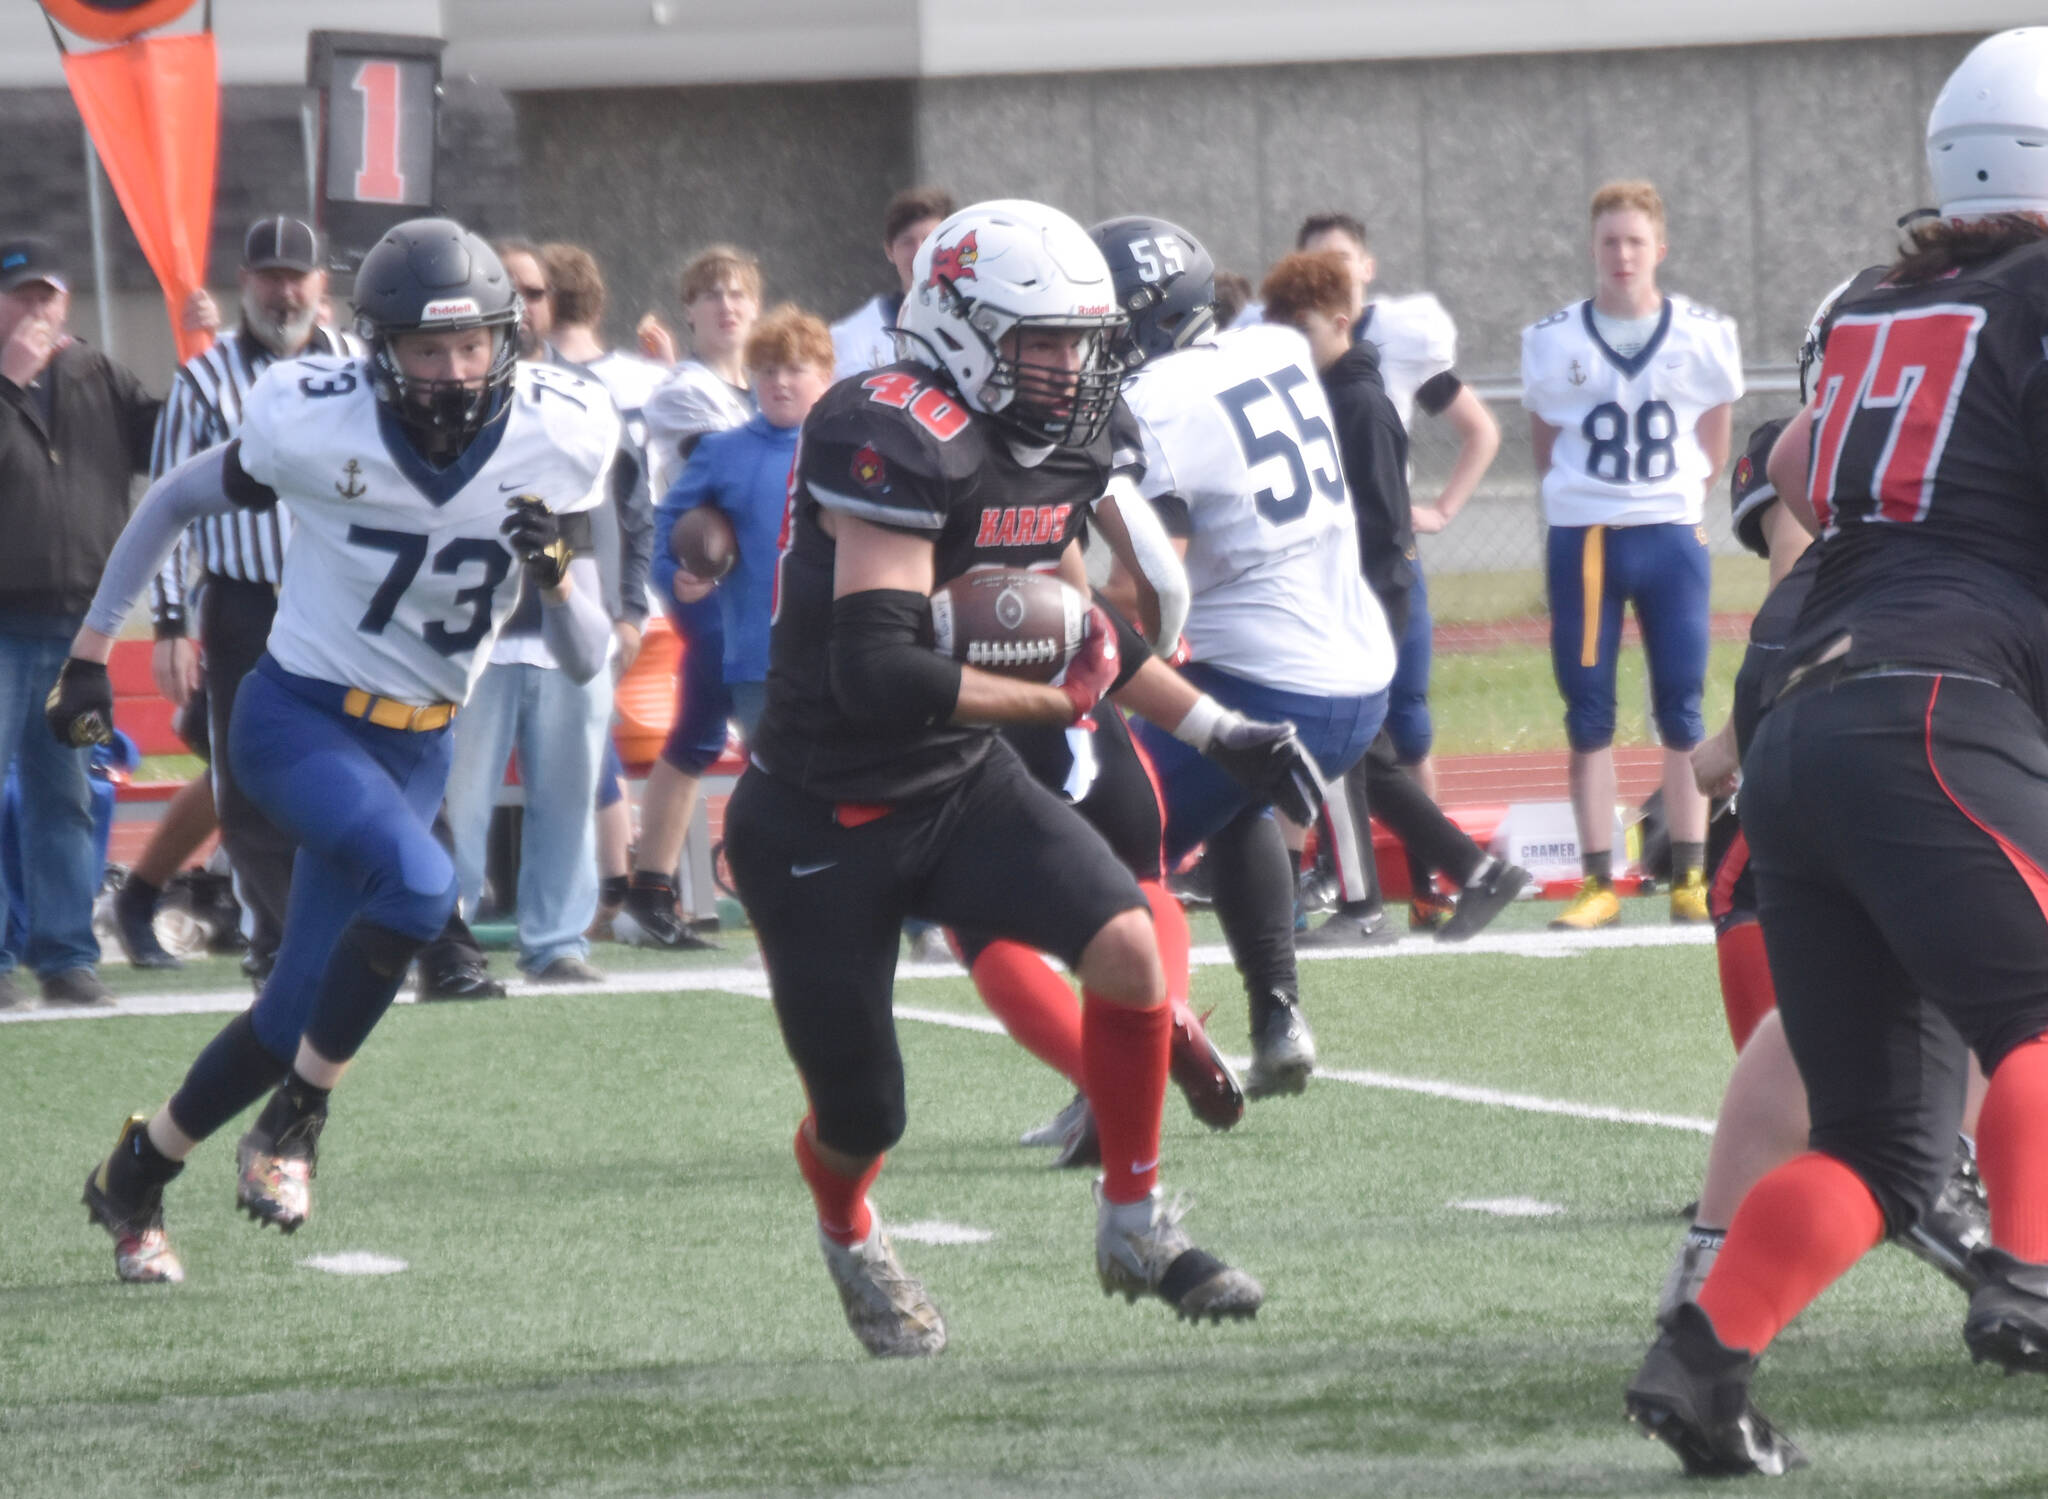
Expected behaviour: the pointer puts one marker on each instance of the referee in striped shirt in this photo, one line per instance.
(229, 566)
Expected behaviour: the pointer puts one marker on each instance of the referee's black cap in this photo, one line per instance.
(280, 242)
(1750, 490)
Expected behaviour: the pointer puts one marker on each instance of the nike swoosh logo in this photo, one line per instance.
(800, 870)
(1139, 1168)
(515, 484)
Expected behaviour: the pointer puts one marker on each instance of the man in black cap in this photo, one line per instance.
(240, 561)
(74, 428)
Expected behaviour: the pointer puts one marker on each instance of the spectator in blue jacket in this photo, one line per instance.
(744, 472)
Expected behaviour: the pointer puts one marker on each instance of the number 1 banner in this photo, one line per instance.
(379, 114)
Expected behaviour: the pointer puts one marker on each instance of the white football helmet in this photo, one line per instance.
(999, 268)
(1987, 136)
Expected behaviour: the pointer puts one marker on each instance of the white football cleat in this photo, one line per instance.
(886, 1306)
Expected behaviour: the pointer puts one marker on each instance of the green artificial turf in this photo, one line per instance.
(614, 1287)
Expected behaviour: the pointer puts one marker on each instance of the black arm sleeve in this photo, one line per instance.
(245, 492)
(635, 506)
(885, 675)
(1436, 393)
(1133, 650)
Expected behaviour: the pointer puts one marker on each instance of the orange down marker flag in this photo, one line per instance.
(153, 108)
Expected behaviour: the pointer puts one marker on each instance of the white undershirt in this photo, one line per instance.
(1626, 335)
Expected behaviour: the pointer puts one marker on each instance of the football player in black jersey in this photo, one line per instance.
(1896, 793)
(879, 788)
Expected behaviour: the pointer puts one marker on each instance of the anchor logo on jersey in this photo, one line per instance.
(1576, 373)
(350, 484)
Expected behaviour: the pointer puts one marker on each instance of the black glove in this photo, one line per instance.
(534, 532)
(1269, 760)
(80, 708)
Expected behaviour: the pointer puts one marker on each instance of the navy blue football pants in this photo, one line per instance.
(359, 801)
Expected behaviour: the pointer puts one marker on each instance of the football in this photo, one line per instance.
(1021, 624)
(702, 543)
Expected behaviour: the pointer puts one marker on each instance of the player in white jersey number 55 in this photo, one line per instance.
(424, 480)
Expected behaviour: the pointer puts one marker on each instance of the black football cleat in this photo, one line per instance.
(131, 1210)
(1283, 1052)
(135, 925)
(1692, 1394)
(651, 918)
(2008, 1320)
(1951, 1232)
(468, 979)
(276, 1165)
(1479, 904)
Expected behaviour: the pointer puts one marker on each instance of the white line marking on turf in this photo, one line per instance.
(938, 1231)
(748, 979)
(1527, 1103)
(355, 1262)
(1509, 1207)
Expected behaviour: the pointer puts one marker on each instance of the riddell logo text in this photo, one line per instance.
(1022, 525)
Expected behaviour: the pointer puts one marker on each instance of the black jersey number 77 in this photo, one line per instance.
(1889, 388)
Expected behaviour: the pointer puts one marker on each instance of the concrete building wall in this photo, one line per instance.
(1784, 166)
(797, 173)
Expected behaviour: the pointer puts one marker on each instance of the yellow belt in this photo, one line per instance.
(389, 713)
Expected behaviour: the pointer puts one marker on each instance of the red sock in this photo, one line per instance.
(2012, 1151)
(1795, 1233)
(1170, 929)
(1034, 1004)
(842, 1200)
(1747, 993)
(1123, 1055)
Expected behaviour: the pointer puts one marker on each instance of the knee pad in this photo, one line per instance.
(420, 899)
(1904, 1170)
(860, 1122)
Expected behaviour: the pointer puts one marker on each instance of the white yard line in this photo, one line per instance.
(748, 980)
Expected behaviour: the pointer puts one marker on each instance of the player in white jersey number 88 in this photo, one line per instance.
(1629, 395)
(417, 477)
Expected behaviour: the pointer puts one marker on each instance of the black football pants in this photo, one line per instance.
(1898, 827)
(827, 889)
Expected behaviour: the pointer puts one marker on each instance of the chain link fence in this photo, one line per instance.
(1492, 690)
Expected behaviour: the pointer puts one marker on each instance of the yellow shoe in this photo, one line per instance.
(1595, 905)
(1689, 900)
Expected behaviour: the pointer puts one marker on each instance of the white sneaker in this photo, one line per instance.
(1141, 1250)
(1053, 1133)
(886, 1307)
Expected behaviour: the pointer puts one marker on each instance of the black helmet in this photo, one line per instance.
(1165, 284)
(1750, 491)
(434, 276)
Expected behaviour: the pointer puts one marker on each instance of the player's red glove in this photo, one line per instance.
(1094, 666)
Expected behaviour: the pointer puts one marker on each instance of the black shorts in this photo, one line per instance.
(1102, 774)
(1899, 831)
(828, 888)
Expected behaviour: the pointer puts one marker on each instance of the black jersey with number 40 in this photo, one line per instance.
(1929, 471)
(898, 448)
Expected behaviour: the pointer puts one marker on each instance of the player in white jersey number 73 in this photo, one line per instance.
(419, 478)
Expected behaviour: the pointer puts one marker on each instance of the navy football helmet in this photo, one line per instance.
(434, 276)
(1165, 284)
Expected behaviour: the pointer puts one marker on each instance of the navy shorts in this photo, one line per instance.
(703, 704)
(1200, 796)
